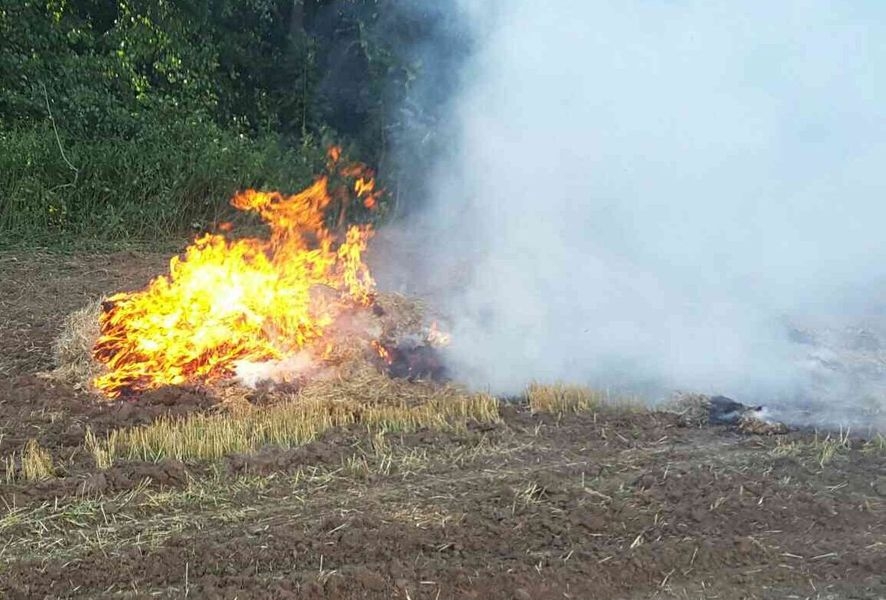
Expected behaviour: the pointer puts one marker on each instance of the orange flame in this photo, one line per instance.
(231, 300)
(382, 352)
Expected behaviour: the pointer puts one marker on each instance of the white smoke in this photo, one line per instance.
(642, 192)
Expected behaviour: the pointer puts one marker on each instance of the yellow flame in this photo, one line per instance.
(230, 300)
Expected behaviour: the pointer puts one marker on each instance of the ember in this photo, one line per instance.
(413, 361)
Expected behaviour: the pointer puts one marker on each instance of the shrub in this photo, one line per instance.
(174, 173)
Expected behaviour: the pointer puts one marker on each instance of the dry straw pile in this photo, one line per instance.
(72, 349)
(394, 317)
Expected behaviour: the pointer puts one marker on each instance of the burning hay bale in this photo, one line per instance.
(389, 339)
(693, 409)
(399, 315)
(296, 306)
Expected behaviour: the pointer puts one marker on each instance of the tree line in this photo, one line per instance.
(126, 119)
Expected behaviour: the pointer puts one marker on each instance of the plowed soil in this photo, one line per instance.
(612, 504)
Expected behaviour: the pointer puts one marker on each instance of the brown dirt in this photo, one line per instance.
(608, 505)
(38, 290)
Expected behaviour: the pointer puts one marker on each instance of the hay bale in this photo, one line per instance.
(346, 347)
(400, 316)
(369, 386)
(72, 349)
(693, 409)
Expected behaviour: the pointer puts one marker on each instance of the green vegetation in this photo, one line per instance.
(166, 179)
(138, 119)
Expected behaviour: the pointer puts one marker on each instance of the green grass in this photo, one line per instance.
(170, 178)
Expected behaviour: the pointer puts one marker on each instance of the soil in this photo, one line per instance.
(612, 504)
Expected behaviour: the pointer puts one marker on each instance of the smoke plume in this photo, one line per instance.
(659, 195)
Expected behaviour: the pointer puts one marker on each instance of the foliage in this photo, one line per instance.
(168, 177)
(124, 119)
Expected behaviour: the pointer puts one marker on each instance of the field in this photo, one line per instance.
(560, 494)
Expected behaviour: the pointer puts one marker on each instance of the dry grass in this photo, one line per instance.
(36, 462)
(371, 400)
(102, 452)
(72, 349)
(9, 469)
(876, 444)
(822, 449)
(401, 314)
(561, 398)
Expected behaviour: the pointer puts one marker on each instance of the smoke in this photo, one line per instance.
(655, 195)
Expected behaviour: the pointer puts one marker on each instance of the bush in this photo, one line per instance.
(124, 119)
(170, 174)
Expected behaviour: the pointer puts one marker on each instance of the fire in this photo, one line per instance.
(437, 337)
(250, 299)
(382, 352)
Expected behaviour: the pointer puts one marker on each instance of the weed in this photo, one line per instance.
(9, 468)
(827, 448)
(531, 494)
(786, 448)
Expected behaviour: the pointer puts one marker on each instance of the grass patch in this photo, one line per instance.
(875, 444)
(560, 397)
(172, 176)
(295, 421)
(102, 453)
(822, 449)
(566, 398)
(36, 462)
(826, 449)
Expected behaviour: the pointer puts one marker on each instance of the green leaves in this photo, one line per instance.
(165, 108)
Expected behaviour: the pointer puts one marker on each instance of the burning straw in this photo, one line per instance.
(350, 354)
(295, 306)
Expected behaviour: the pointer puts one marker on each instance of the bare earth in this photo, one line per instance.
(612, 504)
